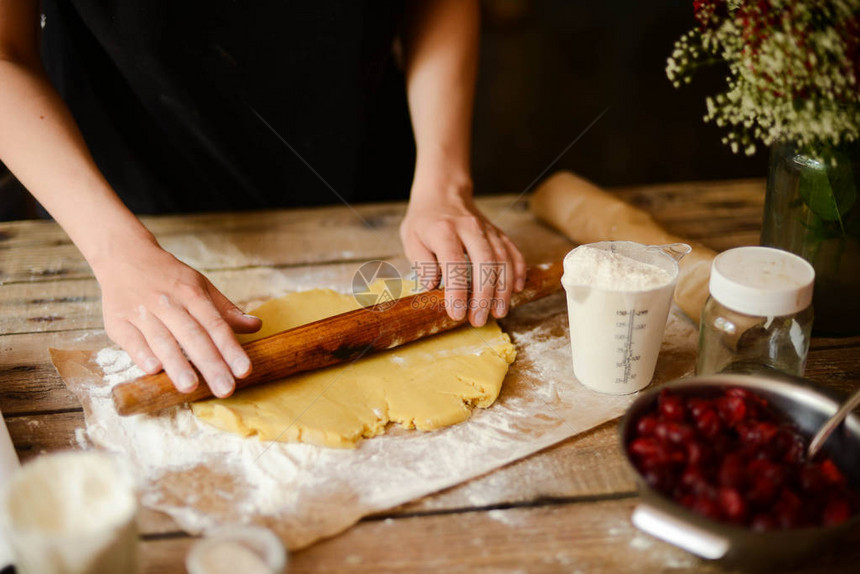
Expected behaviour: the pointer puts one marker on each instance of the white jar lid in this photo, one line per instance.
(762, 281)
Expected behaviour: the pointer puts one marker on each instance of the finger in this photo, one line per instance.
(165, 347)
(504, 275)
(455, 271)
(427, 273)
(198, 344)
(205, 311)
(483, 259)
(238, 321)
(520, 267)
(134, 343)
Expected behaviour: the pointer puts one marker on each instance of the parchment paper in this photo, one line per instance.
(205, 478)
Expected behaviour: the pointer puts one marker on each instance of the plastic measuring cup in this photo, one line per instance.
(616, 331)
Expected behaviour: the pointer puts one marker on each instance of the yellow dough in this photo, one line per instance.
(426, 385)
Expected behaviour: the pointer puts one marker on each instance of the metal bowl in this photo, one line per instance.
(808, 407)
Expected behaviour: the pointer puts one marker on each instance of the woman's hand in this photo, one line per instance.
(156, 307)
(443, 232)
(441, 229)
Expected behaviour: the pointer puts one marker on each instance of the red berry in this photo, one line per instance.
(796, 454)
(762, 492)
(646, 448)
(697, 453)
(811, 479)
(695, 482)
(732, 472)
(769, 470)
(697, 406)
(756, 433)
(678, 433)
(661, 479)
(739, 393)
(706, 507)
(676, 456)
(732, 504)
(790, 446)
(651, 454)
(836, 512)
(709, 424)
(748, 396)
(787, 509)
(766, 479)
(789, 498)
(732, 409)
(661, 430)
(671, 407)
(645, 426)
(830, 473)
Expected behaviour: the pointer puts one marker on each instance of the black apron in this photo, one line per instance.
(207, 105)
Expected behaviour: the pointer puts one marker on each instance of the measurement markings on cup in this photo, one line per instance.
(629, 325)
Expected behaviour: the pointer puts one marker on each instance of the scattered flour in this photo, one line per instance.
(81, 438)
(640, 542)
(354, 559)
(504, 516)
(117, 366)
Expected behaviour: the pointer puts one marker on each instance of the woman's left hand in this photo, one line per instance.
(446, 236)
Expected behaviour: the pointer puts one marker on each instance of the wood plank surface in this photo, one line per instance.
(36, 251)
(30, 384)
(567, 536)
(29, 253)
(564, 509)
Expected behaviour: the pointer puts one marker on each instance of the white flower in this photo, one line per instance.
(792, 70)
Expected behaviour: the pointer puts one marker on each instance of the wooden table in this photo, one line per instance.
(564, 509)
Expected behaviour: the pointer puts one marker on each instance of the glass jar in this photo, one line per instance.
(759, 313)
(812, 209)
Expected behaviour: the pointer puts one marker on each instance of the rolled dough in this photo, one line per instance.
(426, 385)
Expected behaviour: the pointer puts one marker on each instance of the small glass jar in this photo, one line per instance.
(759, 313)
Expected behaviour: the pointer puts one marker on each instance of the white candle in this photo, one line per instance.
(72, 513)
(8, 466)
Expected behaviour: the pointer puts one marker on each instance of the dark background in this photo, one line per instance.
(548, 69)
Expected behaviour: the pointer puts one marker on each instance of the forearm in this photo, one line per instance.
(42, 146)
(441, 58)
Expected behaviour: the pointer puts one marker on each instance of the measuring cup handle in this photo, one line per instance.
(675, 250)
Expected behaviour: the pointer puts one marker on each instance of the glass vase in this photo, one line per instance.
(811, 209)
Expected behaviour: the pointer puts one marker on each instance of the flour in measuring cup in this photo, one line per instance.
(617, 303)
(607, 270)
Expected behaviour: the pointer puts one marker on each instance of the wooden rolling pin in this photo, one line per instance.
(329, 341)
(587, 214)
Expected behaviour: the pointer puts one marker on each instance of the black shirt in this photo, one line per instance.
(202, 105)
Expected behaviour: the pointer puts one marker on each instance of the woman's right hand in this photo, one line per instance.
(155, 307)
